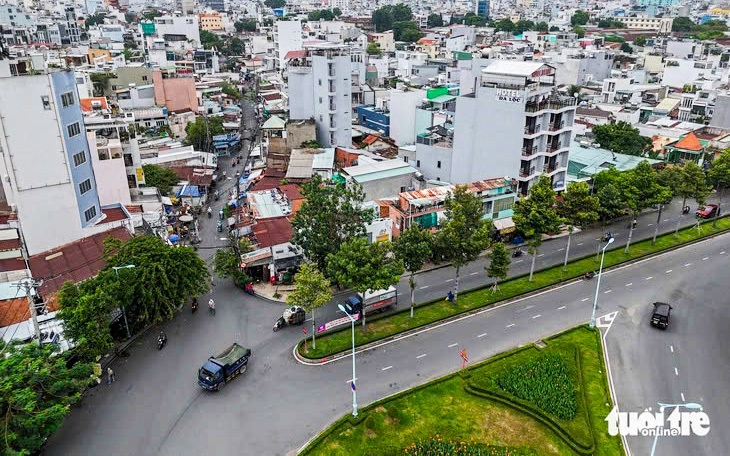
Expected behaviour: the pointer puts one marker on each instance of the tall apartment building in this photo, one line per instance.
(45, 162)
(514, 124)
(287, 37)
(320, 88)
(186, 7)
(482, 8)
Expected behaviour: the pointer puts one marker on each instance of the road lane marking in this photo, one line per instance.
(682, 394)
(607, 291)
(510, 325)
(474, 273)
(423, 287)
(518, 261)
(561, 249)
(449, 280)
(667, 271)
(350, 381)
(580, 243)
(687, 264)
(542, 254)
(705, 258)
(651, 224)
(671, 348)
(649, 278)
(561, 307)
(676, 372)
(481, 335)
(629, 284)
(524, 309)
(420, 356)
(452, 345)
(537, 316)
(722, 253)
(666, 220)
(386, 368)
(584, 299)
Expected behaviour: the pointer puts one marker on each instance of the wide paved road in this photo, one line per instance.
(155, 407)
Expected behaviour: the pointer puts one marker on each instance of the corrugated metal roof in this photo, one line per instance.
(513, 67)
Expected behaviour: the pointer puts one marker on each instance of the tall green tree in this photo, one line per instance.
(542, 26)
(86, 313)
(373, 49)
(360, 266)
(580, 18)
(682, 24)
(162, 279)
(612, 203)
(94, 19)
(473, 19)
(246, 25)
(641, 189)
(275, 3)
(227, 262)
(578, 208)
(36, 393)
(505, 25)
(719, 175)
(199, 134)
(621, 137)
(499, 263)
(312, 292)
(536, 215)
(688, 181)
(413, 247)
(465, 233)
(386, 16)
(331, 214)
(210, 40)
(640, 41)
(435, 20)
(160, 177)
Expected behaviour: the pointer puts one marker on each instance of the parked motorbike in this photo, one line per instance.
(685, 210)
(249, 289)
(217, 195)
(220, 226)
(517, 253)
(161, 341)
(589, 275)
(194, 306)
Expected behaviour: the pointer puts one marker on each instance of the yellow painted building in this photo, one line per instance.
(211, 22)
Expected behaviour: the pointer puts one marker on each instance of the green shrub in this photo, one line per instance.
(545, 382)
(370, 423)
(438, 447)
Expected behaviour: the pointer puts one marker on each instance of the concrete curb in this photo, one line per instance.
(405, 334)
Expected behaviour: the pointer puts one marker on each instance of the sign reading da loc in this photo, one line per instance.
(512, 96)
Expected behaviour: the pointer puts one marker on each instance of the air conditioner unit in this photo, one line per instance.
(95, 104)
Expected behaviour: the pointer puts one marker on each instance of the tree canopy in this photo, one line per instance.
(640, 41)
(577, 206)
(719, 172)
(386, 16)
(688, 181)
(275, 3)
(475, 20)
(227, 262)
(246, 25)
(160, 177)
(331, 214)
(579, 31)
(199, 135)
(86, 313)
(682, 24)
(373, 49)
(322, 15)
(209, 40)
(360, 266)
(413, 247)
(580, 18)
(610, 23)
(94, 19)
(621, 137)
(435, 20)
(499, 262)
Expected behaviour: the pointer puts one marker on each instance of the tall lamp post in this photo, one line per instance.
(688, 405)
(354, 389)
(598, 283)
(124, 312)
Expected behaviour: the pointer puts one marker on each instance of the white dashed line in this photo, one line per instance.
(584, 299)
(676, 372)
(671, 348)
(667, 271)
(580, 243)
(607, 291)
(453, 345)
(420, 356)
(481, 335)
(649, 278)
(561, 249)
(629, 284)
(537, 316)
(666, 220)
(423, 287)
(682, 394)
(705, 258)
(474, 273)
(350, 380)
(651, 224)
(510, 325)
(722, 253)
(449, 280)
(687, 264)
(518, 261)
(542, 254)
(561, 307)
(386, 368)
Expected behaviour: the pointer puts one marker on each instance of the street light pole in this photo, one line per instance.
(354, 388)
(598, 284)
(689, 405)
(124, 312)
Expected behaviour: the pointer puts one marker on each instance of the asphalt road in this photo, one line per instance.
(155, 406)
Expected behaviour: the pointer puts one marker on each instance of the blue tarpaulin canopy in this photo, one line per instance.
(190, 191)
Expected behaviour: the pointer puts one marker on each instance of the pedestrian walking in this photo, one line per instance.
(110, 377)
(211, 307)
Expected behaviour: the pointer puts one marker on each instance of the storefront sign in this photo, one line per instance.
(512, 96)
(335, 323)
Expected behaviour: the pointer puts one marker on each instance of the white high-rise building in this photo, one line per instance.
(320, 87)
(514, 124)
(287, 37)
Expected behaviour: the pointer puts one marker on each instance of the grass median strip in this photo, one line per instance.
(433, 311)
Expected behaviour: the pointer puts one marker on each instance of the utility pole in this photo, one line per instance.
(29, 286)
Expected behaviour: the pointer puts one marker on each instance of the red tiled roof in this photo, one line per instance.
(295, 54)
(370, 139)
(134, 209)
(292, 191)
(76, 261)
(689, 142)
(113, 214)
(12, 264)
(17, 310)
(271, 96)
(9, 244)
(272, 231)
(188, 173)
(86, 103)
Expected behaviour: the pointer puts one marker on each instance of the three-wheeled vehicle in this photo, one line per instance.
(293, 315)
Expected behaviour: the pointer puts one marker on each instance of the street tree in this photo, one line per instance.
(719, 175)
(435, 20)
(505, 25)
(640, 41)
(199, 134)
(331, 214)
(160, 177)
(578, 208)
(612, 203)
(580, 18)
(536, 215)
(312, 292)
(621, 137)
(373, 49)
(499, 263)
(413, 247)
(246, 25)
(641, 190)
(227, 262)
(162, 279)
(542, 26)
(36, 393)
(86, 313)
(464, 233)
(688, 181)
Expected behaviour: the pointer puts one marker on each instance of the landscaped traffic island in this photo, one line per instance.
(529, 401)
(433, 311)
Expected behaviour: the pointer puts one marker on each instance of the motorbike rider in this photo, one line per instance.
(211, 306)
(162, 338)
(210, 212)
(194, 304)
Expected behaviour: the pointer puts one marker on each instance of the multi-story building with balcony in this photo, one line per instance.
(514, 124)
(320, 88)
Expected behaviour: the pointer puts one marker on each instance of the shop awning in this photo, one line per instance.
(505, 225)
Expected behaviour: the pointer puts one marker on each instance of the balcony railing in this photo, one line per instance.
(532, 129)
(557, 126)
(524, 172)
(527, 151)
(552, 104)
(554, 147)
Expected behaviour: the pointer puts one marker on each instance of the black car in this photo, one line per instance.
(660, 315)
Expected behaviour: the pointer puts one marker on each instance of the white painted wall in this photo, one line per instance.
(178, 25)
(111, 176)
(403, 114)
(288, 38)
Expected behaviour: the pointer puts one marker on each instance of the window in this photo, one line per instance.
(418, 163)
(67, 99)
(320, 100)
(144, 78)
(320, 83)
(438, 164)
(46, 102)
(73, 130)
(85, 186)
(405, 159)
(90, 213)
(80, 158)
